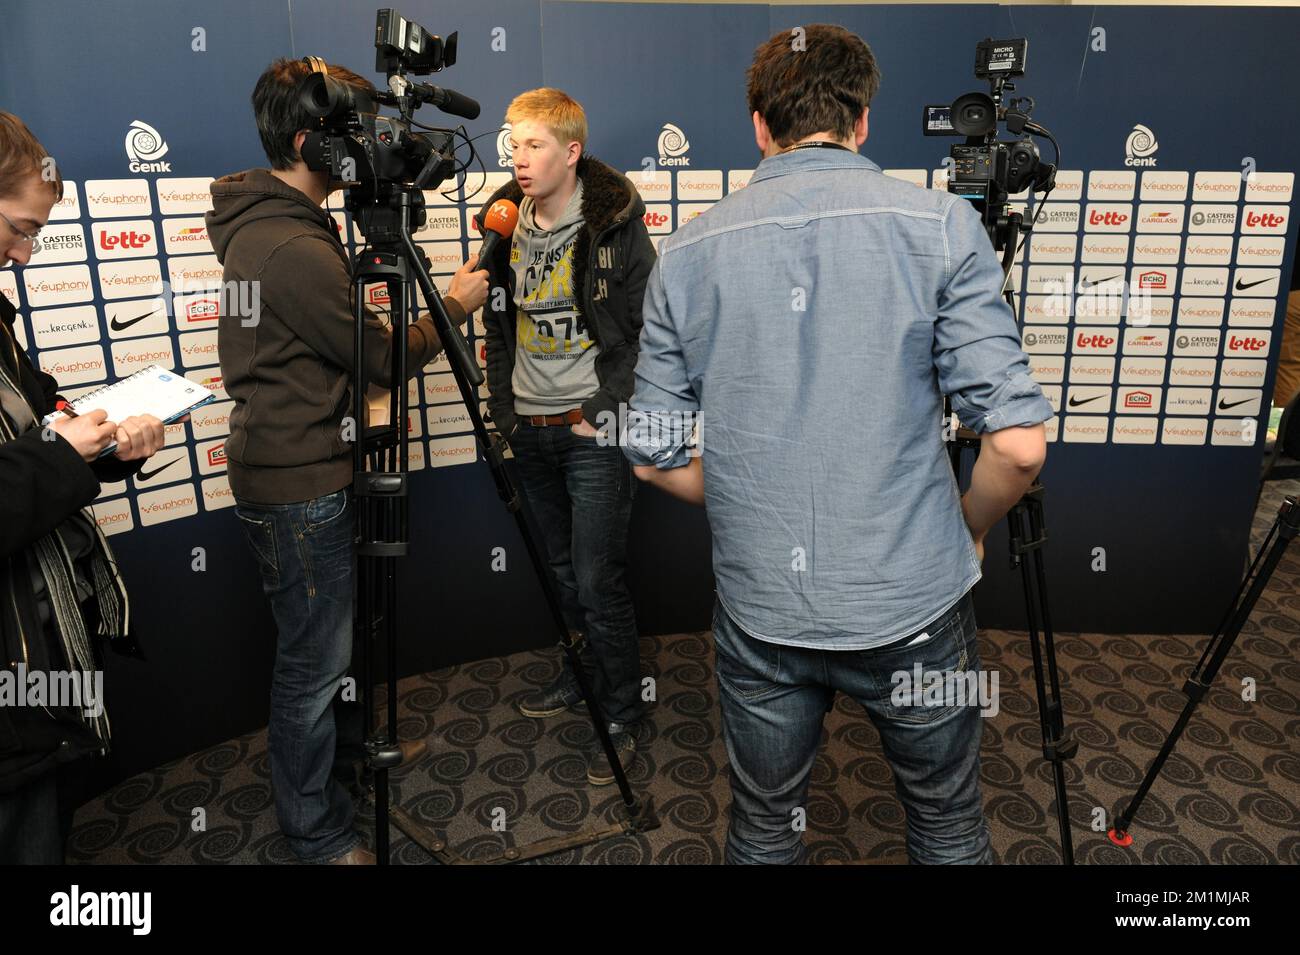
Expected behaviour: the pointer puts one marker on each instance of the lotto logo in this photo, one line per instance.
(1106, 218)
(1264, 220)
(1245, 344)
(1094, 341)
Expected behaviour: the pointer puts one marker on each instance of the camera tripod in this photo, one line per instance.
(1027, 534)
(381, 484)
(1284, 529)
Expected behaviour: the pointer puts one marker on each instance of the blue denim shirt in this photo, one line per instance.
(814, 320)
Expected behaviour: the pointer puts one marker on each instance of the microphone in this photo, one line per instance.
(498, 224)
(449, 101)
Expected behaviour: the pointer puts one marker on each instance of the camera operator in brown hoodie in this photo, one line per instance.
(288, 368)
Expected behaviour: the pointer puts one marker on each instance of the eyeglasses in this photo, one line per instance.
(33, 240)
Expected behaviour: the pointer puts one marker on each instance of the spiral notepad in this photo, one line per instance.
(154, 390)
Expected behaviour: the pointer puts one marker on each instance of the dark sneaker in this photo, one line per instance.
(599, 771)
(554, 699)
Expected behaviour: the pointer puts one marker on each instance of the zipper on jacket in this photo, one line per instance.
(22, 634)
(591, 276)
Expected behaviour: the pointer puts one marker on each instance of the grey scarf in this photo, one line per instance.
(55, 559)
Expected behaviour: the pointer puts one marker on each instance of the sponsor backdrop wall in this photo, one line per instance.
(1174, 180)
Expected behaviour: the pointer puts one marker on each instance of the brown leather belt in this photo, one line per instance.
(572, 416)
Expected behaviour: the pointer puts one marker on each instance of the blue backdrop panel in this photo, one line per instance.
(636, 69)
(1172, 520)
(499, 56)
(138, 60)
(208, 635)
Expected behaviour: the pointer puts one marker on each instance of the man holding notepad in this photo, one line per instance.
(61, 588)
(288, 369)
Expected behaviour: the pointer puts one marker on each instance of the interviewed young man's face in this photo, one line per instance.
(28, 209)
(541, 163)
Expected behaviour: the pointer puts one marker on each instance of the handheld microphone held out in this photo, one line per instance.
(499, 223)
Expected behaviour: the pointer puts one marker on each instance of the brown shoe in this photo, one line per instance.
(413, 750)
(358, 855)
(599, 771)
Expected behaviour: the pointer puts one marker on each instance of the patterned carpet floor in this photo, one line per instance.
(1229, 794)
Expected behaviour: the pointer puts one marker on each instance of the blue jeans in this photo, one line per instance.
(29, 824)
(773, 700)
(580, 493)
(305, 554)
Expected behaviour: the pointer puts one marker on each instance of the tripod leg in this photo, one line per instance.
(1026, 519)
(1285, 526)
(542, 569)
(1060, 745)
(380, 470)
(463, 366)
(379, 488)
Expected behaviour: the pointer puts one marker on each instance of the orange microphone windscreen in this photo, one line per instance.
(501, 218)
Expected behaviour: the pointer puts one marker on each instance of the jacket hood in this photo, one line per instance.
(609, 200)
(245, 197)
(570, 217)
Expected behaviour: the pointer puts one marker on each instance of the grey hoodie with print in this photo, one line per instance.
(555, 354)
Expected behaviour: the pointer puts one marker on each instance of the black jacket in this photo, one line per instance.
(42, 484)
(612, 260)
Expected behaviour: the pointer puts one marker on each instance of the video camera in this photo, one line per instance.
(377, 156)
(984, 169)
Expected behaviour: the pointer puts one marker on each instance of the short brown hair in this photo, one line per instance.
(555, 109)
(812, 79)
(278, 109)
(22, 155)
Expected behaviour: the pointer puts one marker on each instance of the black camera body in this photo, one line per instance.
(378, 157)
(993, 172)
(985, 170)
(371, 149)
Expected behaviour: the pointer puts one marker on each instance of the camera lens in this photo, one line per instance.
(974, 114)
(324, 97)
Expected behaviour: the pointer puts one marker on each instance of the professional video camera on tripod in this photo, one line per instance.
(386, 166)
(984, 169)
(988, 172)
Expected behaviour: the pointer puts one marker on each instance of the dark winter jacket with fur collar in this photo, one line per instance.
(612, 260)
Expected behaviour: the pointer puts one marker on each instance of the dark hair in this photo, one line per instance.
(278, 111)
(812, 79)
(21, 156)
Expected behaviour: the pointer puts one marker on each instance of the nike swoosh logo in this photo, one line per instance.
(1075, 402)
(1085, 284)
(1241, 287)
(123, 326)
(144, 475)
(1225, 405)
